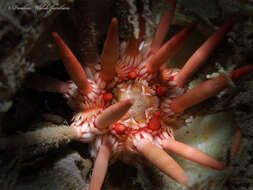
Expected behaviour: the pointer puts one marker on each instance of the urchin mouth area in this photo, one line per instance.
(146, 103)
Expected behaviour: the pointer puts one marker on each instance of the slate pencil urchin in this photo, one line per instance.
(125, 103)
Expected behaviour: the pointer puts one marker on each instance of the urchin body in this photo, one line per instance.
(136, 124)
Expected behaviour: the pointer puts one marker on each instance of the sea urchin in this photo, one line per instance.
(126, 104)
